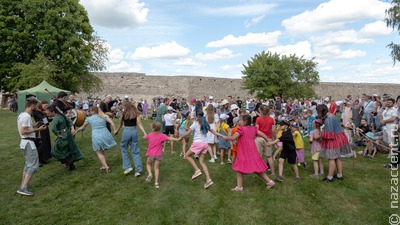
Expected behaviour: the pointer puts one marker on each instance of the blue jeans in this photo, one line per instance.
(130, 138)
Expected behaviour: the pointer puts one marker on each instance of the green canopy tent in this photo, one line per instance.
(40, 93)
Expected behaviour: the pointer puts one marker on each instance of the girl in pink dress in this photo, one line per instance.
(154, 151)
(248, 160)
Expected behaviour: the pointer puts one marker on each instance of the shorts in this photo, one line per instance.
(31, 158)
(169, 130)
(289, 155)
(300, 155)
(152, 158)
(315, 157)
(199, 147)
(262, 147)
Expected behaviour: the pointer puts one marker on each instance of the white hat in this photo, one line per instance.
(170, 108)
(126, 96)
(224, 102)
(376, 95)
(211, 97)
(234, 106)
(327, 99)
(236, 119)
(223, 116)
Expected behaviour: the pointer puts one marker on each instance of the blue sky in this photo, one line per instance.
(348, 38)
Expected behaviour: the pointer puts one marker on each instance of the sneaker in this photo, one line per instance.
(215, 157)
(339, 178)
(148, 178)
(327, 180)
(222, 163)
(208, 184)
(181, 155)
(196, 174)
(212, 160)
(128, 170)
(156, 185)
(279, 179)
(25, 192)
(229, 161)
(321, 174)
(297, 179)
(270, 184)
(137, 174)
(314, 176)
(238, 189)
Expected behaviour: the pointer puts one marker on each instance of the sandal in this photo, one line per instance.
(208, 184)
(196, 174)
(156, 185)
(148, 178)
(238, 189)
(270, 184)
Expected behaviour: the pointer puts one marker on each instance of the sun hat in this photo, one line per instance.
(223, 116)
(211, 97)
(234, 106)
(326, 99)
(224, 102)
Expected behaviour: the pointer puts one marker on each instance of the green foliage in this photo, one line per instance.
(91, 196)
(267, 75)
(57, 29)
(392, 20)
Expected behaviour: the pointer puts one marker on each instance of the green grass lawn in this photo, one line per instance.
(91, 196)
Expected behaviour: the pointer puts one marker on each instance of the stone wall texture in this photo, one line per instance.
(139, 85)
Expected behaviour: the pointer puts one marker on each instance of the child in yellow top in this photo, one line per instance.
(224, 129)
(279, 144)
(298, 142)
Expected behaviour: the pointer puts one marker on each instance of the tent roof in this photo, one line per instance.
(42, 88)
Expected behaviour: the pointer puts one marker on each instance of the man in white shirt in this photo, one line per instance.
(27, 144)
(389, 123)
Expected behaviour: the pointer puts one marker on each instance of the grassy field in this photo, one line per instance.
(91, 196)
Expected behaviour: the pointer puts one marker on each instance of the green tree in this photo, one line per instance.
(393, 21)
(54, 35)
(267, 75)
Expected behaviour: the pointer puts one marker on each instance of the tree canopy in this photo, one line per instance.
(393, 21)
(48, 39)
(267, 75)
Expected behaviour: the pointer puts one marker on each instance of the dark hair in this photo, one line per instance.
(61, 94)
(264, 110)
(30, 102)
(246, 120)
(322, 110)
(392, 100)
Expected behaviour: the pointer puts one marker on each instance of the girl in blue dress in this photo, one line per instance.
(102, 139)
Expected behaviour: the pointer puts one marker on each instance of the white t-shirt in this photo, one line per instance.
(198, 135)
(25, 120)
(168, 118)
(388, 113)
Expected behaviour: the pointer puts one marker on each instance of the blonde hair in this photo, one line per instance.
(98, 111)
(156, 126)
(210, 113)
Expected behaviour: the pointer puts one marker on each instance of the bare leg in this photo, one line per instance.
(321, 166)
(332, 166)
(210, 146)
(239, 179)
(296, 170)
(191, 160)
(148, 167)
(204, 166)
(271, 164)
(25, 179)
(264, 176)
(339, 165)
(156, 171)
(229, 154)
(102, 157)
(315, 162)
(280, 167)
(221, 154)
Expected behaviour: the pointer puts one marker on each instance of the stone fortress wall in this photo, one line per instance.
(139, 85)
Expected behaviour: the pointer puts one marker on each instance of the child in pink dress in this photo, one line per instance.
(154, 151)
(315, 141)
(248, 160)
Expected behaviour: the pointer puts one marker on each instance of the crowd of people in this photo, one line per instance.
(248, 134)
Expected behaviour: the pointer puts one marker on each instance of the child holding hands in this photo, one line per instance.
(248, 159)
(154, 151)
(315, 141)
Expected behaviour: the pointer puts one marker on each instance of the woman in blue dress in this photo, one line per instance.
(102, 139)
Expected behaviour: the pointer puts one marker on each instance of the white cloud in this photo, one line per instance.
(377, 28)
(260, 39)
(124, 66)
(116, 56)
(326, 68)
(332, 15)
(240, 10)
(254, 21)
(333, 51)
(220, 54)
(340, 37)
(116, 13)
(302, 48)
(170, 50)
(230, 67)
(187, 62)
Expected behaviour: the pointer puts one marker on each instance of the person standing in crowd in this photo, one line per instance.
(60, 101)
(389, 121)
(105, 107)
(224, 108)
(44, 149)
(368, 107)
(161, 111)
(71, 101)
(130, 119)
(101, 137)
(145, 109)
(212, 120)
(334, 143)
(64, 147)
(232, 114)
(356, 112)
(239, 102)
(27, 145)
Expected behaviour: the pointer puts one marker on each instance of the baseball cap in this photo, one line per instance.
(126, 96)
